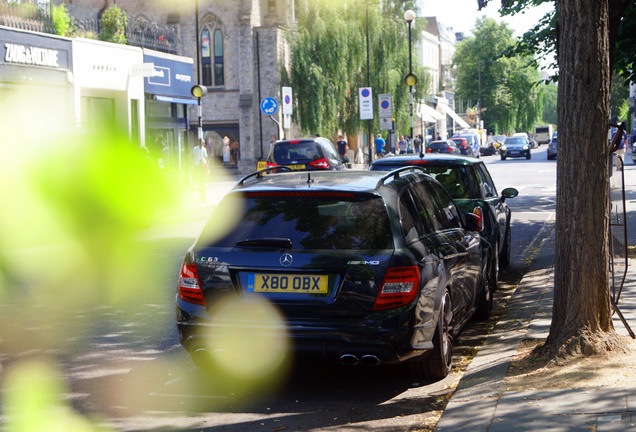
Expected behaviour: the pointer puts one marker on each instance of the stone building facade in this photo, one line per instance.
(238, 53)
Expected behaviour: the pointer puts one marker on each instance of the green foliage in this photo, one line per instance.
(114, 21)
(64, 23)
(329, 63)
(509, 85)
(549, 93)
(625, 51)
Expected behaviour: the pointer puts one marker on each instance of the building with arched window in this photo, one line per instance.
(238, 48)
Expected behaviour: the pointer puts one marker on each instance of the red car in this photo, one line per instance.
(462, 144)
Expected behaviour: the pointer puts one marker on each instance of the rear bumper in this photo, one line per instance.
(323, 343)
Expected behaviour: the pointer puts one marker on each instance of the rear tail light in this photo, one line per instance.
(399, 287)
(428, 150)
(189, 287)
(449, 150)
(320, 163)
(477, 211)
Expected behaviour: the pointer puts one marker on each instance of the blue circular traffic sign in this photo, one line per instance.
(269, 105)
(365, 92)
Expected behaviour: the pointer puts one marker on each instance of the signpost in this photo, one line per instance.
(385, 110)
(269, 106)
(366, 103)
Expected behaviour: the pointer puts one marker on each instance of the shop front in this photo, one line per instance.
(167, 97)
(108, 88)
(36, 72)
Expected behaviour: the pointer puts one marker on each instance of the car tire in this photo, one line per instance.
(550, 157)
(504, 255)
(439, 361)
(503, 157)
(528, 156)
(484, 302)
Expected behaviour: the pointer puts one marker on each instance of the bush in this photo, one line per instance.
(114, 23)
(64, 23)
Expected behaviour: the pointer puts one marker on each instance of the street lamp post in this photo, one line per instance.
(368, 85)
(410, 79)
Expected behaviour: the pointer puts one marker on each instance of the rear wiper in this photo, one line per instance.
(269, 242)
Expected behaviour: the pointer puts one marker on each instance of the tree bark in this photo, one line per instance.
(581, 317)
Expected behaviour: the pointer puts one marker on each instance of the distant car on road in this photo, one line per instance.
(462, 144)
(515, 146)
(552, 147)
(531, 140)
(443, 146)
(473, 143)
(363, 267)
(308, 154)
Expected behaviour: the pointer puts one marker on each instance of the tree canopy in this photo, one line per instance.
(507, 87)
(329, 62)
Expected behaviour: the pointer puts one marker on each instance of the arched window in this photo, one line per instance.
(206, 58)
(218, 58)
(212, 65)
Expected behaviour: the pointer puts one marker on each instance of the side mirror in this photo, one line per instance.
(509, 193)
(474, 222)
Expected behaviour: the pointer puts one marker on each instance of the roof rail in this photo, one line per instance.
(396, 173)
(259, 173)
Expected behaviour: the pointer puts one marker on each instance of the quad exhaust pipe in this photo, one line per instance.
(365, 360)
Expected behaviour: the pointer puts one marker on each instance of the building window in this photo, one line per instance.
(218, 58)
(271, 6)
(212, 65)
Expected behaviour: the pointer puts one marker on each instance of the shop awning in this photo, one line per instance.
(458, 120)
(429, 114)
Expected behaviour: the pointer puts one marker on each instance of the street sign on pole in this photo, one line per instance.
(366, 103)
(269, 106)
(287, 101)
(386, 123)
(385, 107)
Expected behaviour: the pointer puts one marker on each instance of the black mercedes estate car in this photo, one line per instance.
(363, 267)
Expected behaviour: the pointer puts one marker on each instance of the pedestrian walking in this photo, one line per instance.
(417, 144)
(379, 146)
(402, 144)
(199, 161)
(343, 148)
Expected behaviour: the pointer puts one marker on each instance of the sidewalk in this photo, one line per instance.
(479, 402)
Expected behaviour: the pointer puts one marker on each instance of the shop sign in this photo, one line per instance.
(21, 54)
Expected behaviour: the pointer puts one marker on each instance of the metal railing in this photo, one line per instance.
(26, 16)
(140, 33)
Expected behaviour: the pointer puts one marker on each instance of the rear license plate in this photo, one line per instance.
(287, 283)
(296, 167)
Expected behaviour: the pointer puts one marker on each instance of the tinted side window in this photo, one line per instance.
(485, 181)
(330, 150)
(409, 219)
(427, 207)
(448, 213)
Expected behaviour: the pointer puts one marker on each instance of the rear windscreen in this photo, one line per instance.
(310, 222)
(292, 153)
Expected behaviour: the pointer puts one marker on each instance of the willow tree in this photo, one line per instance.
(505, 86)
(329, 62)
(585, 35)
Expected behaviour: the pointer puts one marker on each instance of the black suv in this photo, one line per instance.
(306, 154)
(469, 183)
(361, 267)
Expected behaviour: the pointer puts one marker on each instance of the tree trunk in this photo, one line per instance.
(581, 317)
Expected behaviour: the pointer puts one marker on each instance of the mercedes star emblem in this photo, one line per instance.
(286, 259)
